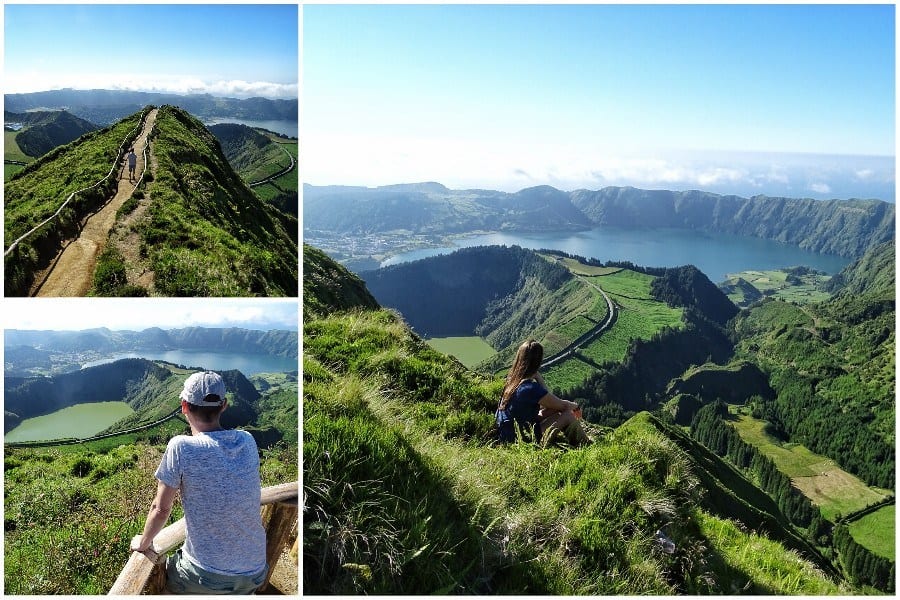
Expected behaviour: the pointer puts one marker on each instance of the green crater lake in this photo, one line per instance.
(78, 421)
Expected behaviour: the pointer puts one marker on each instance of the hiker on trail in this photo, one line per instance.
(132, 163)
(217, 472)
(532, 405)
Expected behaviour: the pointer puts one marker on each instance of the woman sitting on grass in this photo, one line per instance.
(532, 406)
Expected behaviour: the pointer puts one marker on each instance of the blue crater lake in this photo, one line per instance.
(248, 364)
(716, 255)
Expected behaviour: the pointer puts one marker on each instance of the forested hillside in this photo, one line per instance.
(42, 131)
(472, 290)
(833, 367)
(436, 508)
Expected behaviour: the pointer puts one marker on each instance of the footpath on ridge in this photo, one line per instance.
(72, 270)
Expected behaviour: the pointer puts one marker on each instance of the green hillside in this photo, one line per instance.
(406, 494)
(199, 229)
(42, 131)
(252, 154)
(79, 505)
(37, 192)
(328, 286)
(832, 366)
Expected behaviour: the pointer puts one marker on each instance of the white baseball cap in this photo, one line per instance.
(200, 385)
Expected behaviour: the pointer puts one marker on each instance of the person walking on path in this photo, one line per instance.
(132, 163)
(217, 472)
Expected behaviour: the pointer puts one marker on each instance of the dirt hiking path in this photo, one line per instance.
(70, 274)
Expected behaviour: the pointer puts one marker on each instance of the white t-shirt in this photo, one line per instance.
(218, 475)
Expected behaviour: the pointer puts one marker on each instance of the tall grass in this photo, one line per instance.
(406, 494)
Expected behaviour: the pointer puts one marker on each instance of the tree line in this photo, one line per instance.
(862, 565)
(711, 430)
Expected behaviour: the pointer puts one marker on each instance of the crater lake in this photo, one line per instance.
(716, 255)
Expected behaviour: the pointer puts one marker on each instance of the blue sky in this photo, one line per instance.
(167, 313)
(233, 50)
(789, 100)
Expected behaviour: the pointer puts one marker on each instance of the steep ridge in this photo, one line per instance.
(443, 511)
(456, 294)
(192, 228)
(328, 286)
(843, 227)
(72, 272)
(34, 195)
(204, 232)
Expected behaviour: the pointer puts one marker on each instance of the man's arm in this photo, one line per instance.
(156, 518)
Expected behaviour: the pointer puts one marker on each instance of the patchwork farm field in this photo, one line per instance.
(833, 490)
(781, 284)
(819, 478)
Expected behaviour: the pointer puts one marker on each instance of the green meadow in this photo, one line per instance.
(876, 531)
(469, 350)
(78, 421)
(819, 478)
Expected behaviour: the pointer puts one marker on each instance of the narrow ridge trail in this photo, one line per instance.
(72, 270)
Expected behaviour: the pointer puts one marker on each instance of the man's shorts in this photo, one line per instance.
(184, 577)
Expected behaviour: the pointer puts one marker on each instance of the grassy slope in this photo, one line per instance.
(207, 233)
(11, 150)
(33, 196)
(70, 512)
(283, 191)
(404, 496)
(876, 531)
(775, 284)
(640, 317)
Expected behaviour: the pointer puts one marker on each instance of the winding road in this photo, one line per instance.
(570, 350)
(71, 272)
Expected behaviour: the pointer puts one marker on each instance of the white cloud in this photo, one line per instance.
(864, 174)
(236, 88)
(114, 313)
(510, 165)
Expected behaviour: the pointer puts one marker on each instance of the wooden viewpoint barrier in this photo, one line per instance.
(144, 573)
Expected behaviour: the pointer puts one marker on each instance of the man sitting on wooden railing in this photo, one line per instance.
(217, 472)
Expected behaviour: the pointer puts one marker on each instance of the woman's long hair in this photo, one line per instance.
(526, 364)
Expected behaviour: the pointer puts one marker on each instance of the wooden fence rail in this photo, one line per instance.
(144, 571)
